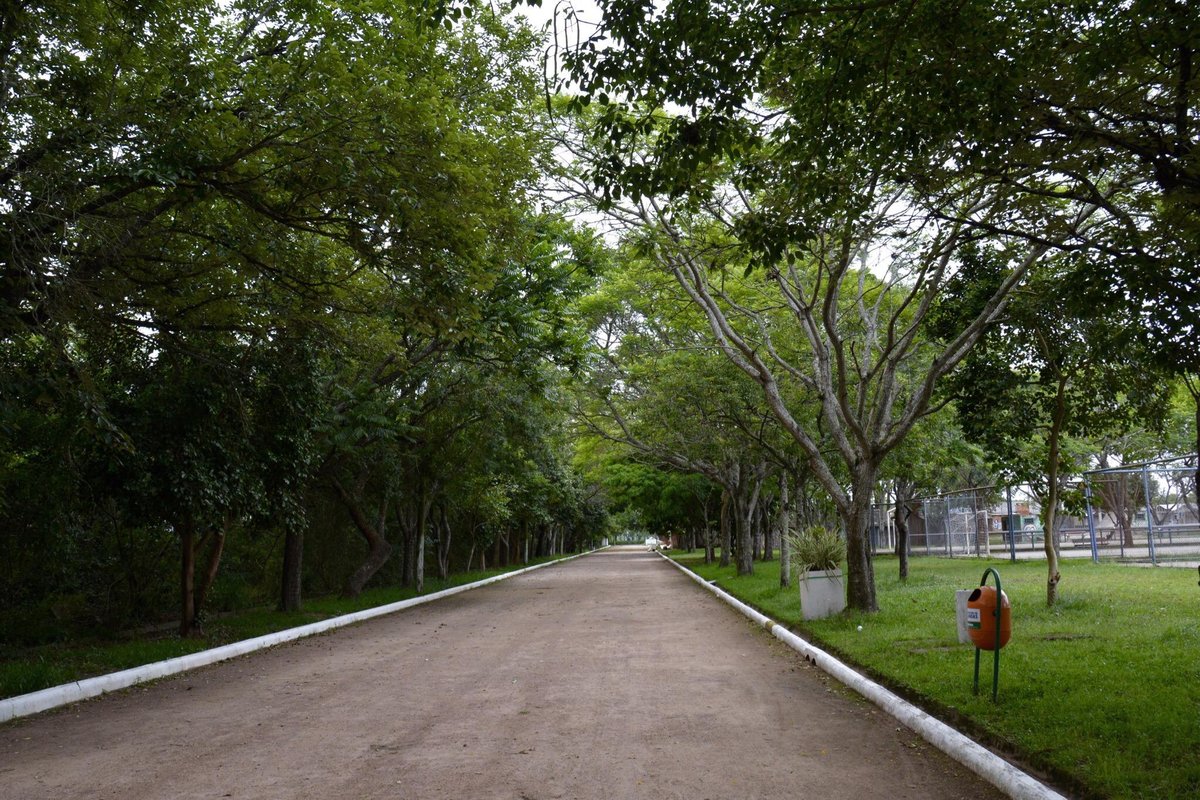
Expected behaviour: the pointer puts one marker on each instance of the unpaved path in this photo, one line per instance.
(611, 676)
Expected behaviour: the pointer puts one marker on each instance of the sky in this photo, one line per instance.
(566, 20)
(586, 10)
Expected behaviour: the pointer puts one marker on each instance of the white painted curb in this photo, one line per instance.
(974, 756)
(46, 699)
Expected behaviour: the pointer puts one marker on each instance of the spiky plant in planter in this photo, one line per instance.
(819, 551)
(817, 548)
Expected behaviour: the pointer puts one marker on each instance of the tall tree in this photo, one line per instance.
(202, 187)
(853, 171)
(1049, 372)
(659, 387)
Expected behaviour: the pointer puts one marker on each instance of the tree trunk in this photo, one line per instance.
(726, 538)
(514, 545)
(785, 550)
(420, 562)
(407, 514)
(444, 534)
(755, 538)
(743, 513)
(1050, 508)
(860, 577)
(750, 537)
(212, 564)
(290, 598)
(709, 555)
(408, 548)
(1117, 499)
(422, 528)
(1127, 512)
(770, 532)
(903, 496)
(187, 574)
(378, 548)
(754, 521)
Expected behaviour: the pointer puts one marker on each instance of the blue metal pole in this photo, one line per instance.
(1149, 515)
(1012, 531)
(1087, 494)
(946, 526)
(925, 521)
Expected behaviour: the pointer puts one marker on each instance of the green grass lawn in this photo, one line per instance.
(1101, 693)
(24, 670)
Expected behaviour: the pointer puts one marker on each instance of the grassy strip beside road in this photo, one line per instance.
(1102, 692)
(24, 670)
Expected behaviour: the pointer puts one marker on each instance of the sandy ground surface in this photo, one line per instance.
(610, 676)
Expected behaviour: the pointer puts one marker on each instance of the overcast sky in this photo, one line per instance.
(567, 28)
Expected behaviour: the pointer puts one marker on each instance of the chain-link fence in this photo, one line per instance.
(980, 521)
(1144, 512)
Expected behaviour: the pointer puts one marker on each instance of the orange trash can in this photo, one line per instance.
(981, 618)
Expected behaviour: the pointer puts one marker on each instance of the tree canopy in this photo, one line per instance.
(297, 287)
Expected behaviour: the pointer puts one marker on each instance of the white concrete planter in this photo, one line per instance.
(822, 593)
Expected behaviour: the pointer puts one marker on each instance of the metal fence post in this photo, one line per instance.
(980, 530)
(925, 521)
(1087, 494)
(1012, 531)
(946, 527)
(1149, 515)
(1119, 526)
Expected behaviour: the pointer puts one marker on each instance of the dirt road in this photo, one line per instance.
(611, 676)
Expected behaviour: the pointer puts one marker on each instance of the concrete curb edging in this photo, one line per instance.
(36, 702)
(983, 762)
